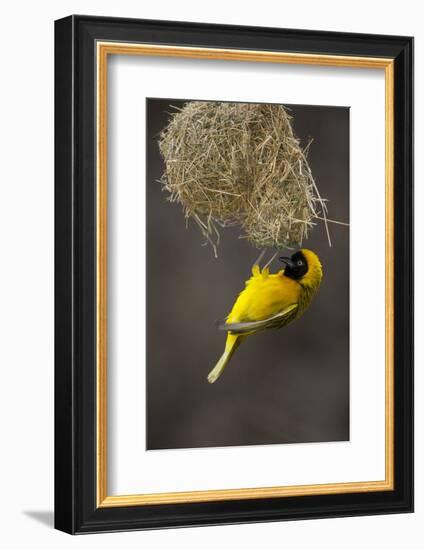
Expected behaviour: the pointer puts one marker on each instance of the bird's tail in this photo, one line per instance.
(231, 345)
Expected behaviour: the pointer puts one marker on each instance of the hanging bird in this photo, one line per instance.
(270, 301)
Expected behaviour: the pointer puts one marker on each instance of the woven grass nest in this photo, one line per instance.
(240, 164)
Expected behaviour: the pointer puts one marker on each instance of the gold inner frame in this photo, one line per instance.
(104, 49)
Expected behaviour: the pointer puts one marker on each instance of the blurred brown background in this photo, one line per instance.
(286, 386)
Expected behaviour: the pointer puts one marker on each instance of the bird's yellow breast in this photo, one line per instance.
(265, 295)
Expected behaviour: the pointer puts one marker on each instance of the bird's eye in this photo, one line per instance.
(299, 263)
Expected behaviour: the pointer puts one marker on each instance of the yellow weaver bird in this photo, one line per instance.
(270, 301)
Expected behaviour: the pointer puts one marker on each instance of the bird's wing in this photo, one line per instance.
(276, 321)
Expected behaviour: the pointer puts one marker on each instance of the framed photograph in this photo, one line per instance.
(234, 274)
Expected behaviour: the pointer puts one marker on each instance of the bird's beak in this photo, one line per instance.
(287, 261)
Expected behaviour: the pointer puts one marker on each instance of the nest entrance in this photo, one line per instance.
(240, 164)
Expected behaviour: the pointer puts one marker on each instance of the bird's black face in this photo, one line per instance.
(296, 265)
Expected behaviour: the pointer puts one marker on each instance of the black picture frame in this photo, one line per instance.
(76, 509)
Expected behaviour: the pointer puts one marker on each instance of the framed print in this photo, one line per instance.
(234, 273)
